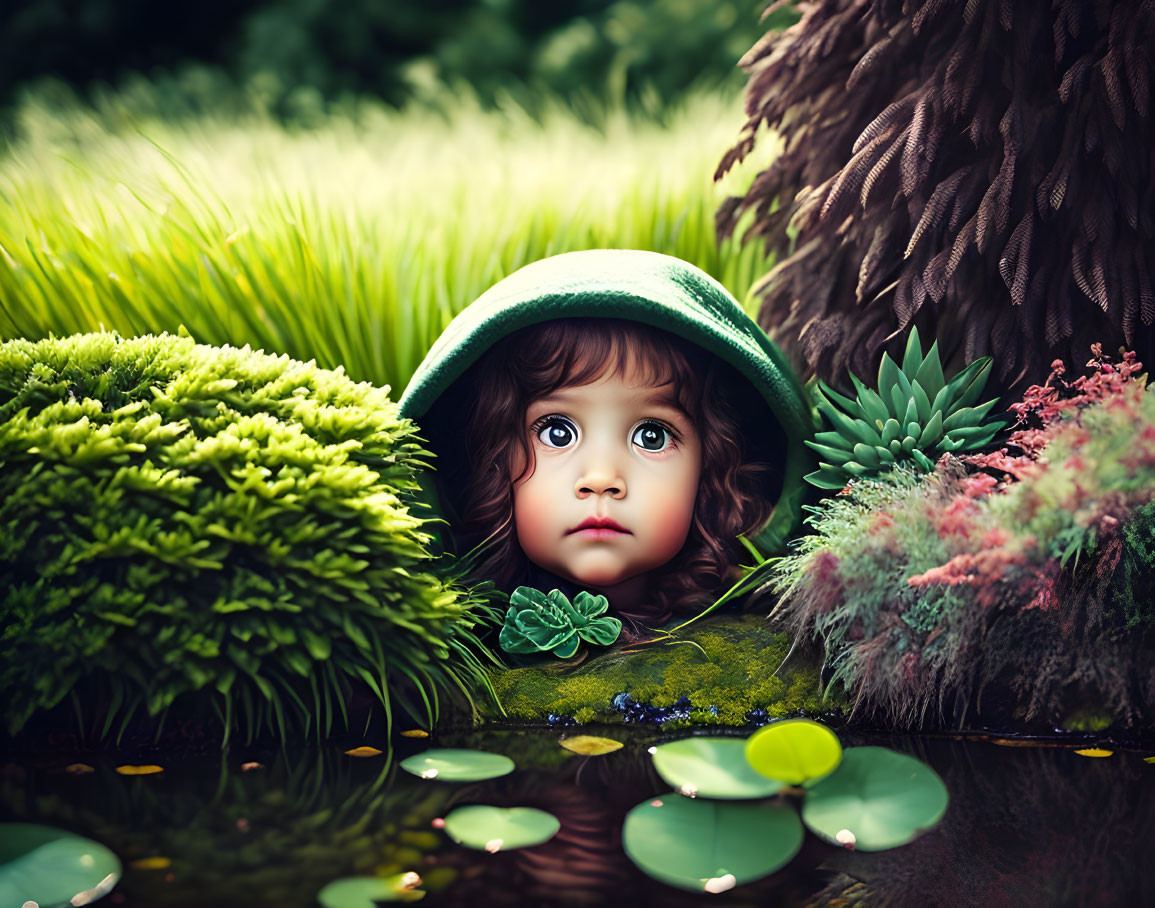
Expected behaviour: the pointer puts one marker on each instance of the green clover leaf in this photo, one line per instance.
(538, 623)
(590, 606)
(568, 648)
(602, 631)
(533, 631)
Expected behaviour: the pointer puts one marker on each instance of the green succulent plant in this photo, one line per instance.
(537, 623)
(914, 416)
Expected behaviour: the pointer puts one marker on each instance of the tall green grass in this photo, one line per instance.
(353, 243)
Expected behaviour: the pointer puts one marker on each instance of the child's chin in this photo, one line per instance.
(589, 579)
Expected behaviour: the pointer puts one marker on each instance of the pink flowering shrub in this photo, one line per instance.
(1028, 572)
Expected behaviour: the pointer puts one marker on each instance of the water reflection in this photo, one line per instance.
(1024, 826)
(230, 836)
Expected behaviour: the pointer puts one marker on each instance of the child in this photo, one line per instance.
(611, 386)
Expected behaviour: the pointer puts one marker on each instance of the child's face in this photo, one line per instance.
(606, 450)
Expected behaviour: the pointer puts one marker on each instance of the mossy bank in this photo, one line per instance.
(725, 670)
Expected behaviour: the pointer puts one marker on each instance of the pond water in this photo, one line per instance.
(1026, 825)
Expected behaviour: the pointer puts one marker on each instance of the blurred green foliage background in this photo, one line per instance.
(355, 241)
(336, 183)
(306, 55)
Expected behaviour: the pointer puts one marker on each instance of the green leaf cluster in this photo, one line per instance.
(914, 413)
(179, 518)
(537, 623)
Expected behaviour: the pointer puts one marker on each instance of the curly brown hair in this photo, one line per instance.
(738, 484)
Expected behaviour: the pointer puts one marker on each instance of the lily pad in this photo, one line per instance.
(590, 745)
(712, 767)
(367, 891)
(710, 846)
(52, 867)
(881, 797)
(448, 764)
(495, 829)
(794, 750)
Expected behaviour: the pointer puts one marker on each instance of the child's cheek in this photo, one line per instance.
(534, 518)
(674, 514)
(671, 534)
(527, 512)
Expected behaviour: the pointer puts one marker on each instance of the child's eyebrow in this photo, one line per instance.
(667, 402)
(656, 398)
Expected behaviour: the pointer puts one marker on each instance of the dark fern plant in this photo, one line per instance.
(978, 167)
(1135, 594)
(184, 521)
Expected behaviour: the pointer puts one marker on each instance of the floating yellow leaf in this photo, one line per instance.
(1094, 752)
(139, 770)
(590, 745)
(79, 769)
(415, 733)
(363, 752)
(1149, 759)
(150, 864)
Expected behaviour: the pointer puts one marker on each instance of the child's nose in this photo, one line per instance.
(599, 469)
(599, 483)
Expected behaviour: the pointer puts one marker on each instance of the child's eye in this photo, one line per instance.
(554, 432)
(652, 436)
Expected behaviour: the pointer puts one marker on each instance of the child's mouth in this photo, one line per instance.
(599, 526)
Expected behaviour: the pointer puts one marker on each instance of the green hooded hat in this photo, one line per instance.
(648, 287)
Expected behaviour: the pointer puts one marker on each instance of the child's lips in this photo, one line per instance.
(599, 526)
(599, 533)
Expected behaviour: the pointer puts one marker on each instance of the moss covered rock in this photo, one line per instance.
(720, 671)
(176, 518)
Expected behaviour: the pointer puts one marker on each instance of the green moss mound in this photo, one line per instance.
(725, 667)
(179, 518)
